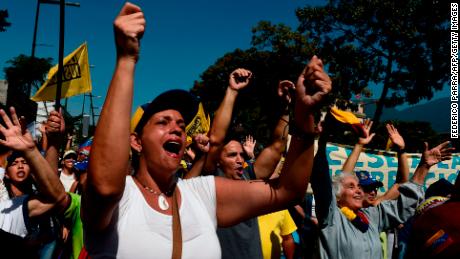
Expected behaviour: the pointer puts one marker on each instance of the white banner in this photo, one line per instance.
(383, 165)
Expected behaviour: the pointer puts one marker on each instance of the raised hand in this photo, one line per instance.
(202, 142)
(312, 86)
(395, 137)
(367, 129)
(239, 79)
(249, 145)
(55, 125)
(16, 137)
(129, 27)
(437, 154)
(284, 88)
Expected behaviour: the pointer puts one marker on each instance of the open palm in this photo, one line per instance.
(15, 137)
(437, 154)
(395, 137)
(369, 136)
(249, 145)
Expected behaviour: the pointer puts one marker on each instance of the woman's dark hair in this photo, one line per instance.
(10, 159)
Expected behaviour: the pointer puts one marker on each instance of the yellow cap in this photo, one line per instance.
(136, 118)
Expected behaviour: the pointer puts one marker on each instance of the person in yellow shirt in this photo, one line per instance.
(276, 234)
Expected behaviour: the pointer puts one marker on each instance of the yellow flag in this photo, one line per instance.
(389, 144)
(75, 77)
(344, 116)
(199, 125)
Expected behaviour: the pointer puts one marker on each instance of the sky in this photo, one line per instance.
(182, 38)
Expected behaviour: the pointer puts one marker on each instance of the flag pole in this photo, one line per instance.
(60, 71)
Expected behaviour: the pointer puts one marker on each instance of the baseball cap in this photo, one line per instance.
(179, 100)
(366, 181)
(69, 153)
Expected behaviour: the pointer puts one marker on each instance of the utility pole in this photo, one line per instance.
(57, 103)
(37, 15)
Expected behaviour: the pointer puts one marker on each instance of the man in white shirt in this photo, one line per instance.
(15, 213)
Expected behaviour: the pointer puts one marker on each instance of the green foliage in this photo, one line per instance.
(3, 22)
(25, 72)
(283, 40)
(257, 107)
(399, 45)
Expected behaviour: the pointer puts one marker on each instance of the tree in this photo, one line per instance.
(3, 22)
(399, 45)
(281, 39)
(278, 54)
(257, 107)
(25, 72)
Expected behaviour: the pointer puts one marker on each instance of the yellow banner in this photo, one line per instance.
(75, 77)
(199, 124)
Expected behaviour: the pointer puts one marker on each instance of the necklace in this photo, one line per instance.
(358, 218)
(162, 202)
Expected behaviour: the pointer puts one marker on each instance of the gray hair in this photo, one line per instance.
(337, 181)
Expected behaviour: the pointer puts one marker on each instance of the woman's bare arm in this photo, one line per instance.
(110, 150)
(239, 200)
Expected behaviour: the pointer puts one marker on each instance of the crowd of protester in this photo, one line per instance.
(142, 191)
